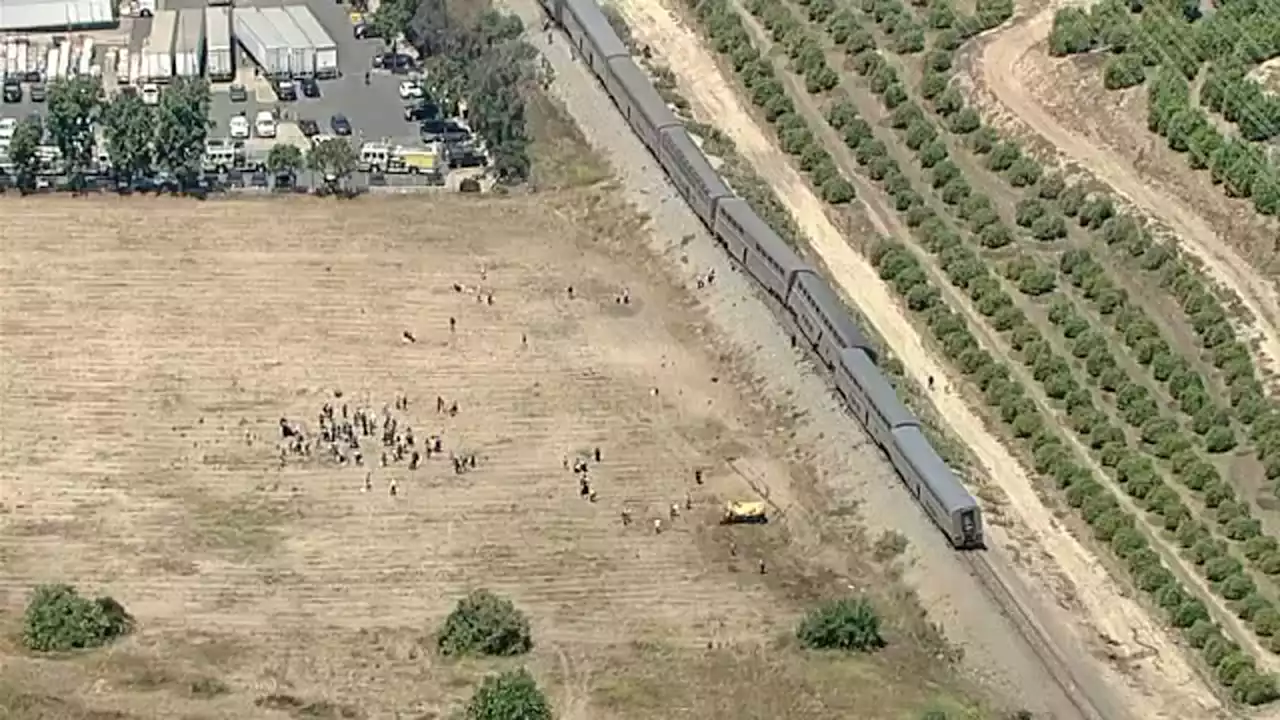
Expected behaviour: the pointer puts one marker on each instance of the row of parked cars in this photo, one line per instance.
(13, 91)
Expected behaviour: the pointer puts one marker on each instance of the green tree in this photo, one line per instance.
(512, 695)
(392, 18)
(129, 126)
(182, 126)
(335, 160)
(24, 149)
(74, 109)
(849, 624)
(486, 62)
(285, 160)
(59, 619)
(484, 624)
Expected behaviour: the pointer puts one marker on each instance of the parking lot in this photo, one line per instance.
(368, 98)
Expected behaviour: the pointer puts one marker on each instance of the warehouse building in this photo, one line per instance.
(54, 15)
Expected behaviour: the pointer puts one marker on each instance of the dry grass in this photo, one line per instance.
(149, 348)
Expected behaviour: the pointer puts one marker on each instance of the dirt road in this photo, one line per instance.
(1160, 686)
(1001, 68)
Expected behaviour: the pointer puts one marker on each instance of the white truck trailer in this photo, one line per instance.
(219, 52)
(188, 47)
(157, 48)
(302, 57)
(262, 42)
(326, 50)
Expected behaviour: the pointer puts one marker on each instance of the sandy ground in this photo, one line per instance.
(1267, 73)
(150, 347)
(1003, 68)
(1163, 686)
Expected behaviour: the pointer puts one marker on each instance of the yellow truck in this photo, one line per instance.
(745, 512)
(415, 161)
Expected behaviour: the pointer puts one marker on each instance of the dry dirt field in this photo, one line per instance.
(150, 347)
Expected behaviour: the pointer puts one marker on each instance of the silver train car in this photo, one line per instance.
(813, 312)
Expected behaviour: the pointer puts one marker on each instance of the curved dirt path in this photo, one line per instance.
(1162, 685)
(1000, 69)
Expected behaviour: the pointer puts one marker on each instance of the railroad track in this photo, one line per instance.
(1034, 634)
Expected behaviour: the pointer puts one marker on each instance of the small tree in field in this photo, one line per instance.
(850, 624)
(59, 619)
(513, 695)
(484, 624)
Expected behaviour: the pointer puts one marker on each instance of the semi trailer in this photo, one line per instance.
(219, 52)
(157, 48)
(188, 47)
(326, 50)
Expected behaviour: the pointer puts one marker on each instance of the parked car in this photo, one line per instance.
(340, 124)
(238, 93)
(310, 128)
(410, 90)
(310, 87)
(286, 90)
(12, 91)
(395, 62)
(422, 111)
(364, 31)
(264, 124)
(239, 127)
(38, 93)
(446, 131)
(151, 94)
(8, 126)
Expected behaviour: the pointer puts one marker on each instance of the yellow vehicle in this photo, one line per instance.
(415, 161)
(745, 512)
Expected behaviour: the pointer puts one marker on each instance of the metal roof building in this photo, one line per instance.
(56, 14)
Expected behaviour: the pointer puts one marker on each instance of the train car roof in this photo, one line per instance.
(637, 84)
(597, 27)
(926, 461)
(682, 141)
(881, 394)
(759, 231)
(822, 292)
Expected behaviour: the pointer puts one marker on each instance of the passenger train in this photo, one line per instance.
(817, 318)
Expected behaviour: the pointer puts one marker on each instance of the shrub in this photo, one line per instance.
(483, 623)
(1123, 71)
(965, 121)
(849, 624)
(59, 619)
(512, 695)
(837, 191)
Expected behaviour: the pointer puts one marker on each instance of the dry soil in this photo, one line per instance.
(149, 348)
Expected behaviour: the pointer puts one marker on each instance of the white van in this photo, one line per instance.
(375, 157)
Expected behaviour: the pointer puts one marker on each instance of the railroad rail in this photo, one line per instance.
(1035, 635)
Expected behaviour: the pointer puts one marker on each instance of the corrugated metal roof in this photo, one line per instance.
(52, 14)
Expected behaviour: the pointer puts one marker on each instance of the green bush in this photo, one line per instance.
(1123, 71)
(59, 619)
(512, 695)
(849, 624)
(484, 624)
